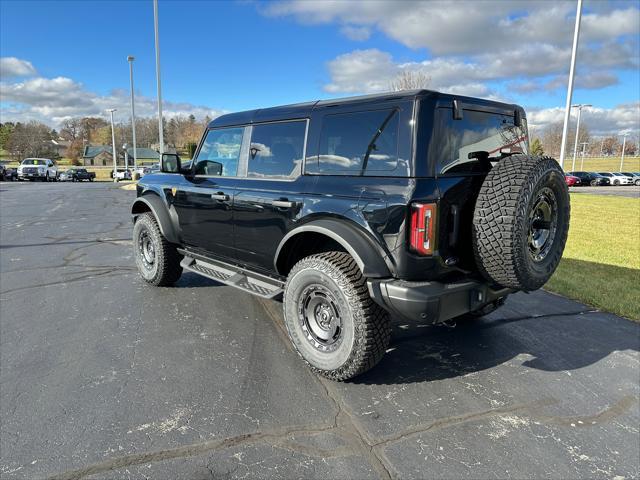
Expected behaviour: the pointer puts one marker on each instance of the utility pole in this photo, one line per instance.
(567, 108)
(579, 106)
(130, 59)
(584, 145)
(157, 36)
(624, 144)
(113, 145)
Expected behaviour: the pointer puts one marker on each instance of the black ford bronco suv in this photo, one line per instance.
(418, 205)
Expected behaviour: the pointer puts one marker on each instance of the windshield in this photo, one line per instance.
(33, 161)
(605, 174)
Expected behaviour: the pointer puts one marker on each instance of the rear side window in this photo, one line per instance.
(359, 143)
(220, 153)
(493, 133)
(276, 150)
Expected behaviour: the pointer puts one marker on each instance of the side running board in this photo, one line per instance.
(233, 275)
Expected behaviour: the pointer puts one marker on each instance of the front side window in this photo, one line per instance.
(359, 142)
(468, 145)
(220, 153)
(276, 150)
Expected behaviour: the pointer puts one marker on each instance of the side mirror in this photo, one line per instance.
(170, 163)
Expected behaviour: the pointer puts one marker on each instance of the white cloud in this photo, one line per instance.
(358, 34)
(474, 42)
(15, 67)
(53, 100)
(601, 121)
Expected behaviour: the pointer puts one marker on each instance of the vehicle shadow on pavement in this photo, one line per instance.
(193, 280)
(550, 343)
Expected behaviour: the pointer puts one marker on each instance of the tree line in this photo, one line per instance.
(34, 139)
(549, 140)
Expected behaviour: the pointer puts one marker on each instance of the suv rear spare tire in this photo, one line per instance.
(332, 321)
(521, 221)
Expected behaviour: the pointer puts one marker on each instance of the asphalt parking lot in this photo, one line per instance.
(631, 191)
(102, 376)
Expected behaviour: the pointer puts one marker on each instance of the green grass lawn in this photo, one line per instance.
(602, 164)
(601, 262)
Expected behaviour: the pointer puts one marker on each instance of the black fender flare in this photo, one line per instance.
(372, 260)
(155, 204)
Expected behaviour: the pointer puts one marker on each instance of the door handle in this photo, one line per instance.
(283, 203)
(221, 196)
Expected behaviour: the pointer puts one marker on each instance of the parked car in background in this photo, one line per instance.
(121, 174)
(38, 169)
(634, 176)
(2, 171)
(617, 178)
(66, 176)
(572, 181)
(11, 174)
(590, 178)
(82, 174)
(151, 169)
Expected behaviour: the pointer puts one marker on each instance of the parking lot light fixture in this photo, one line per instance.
(130, 59)
(572, 68)
(579, 106)
(584, 146)
(157, 38)
(113, 145)
(624, 144)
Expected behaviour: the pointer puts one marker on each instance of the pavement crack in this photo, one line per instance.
(273, 438)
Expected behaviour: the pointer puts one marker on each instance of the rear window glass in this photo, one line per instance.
(359, 142)
(477, 131)
(276, 150)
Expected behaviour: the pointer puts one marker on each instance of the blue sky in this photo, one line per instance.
(226, 56)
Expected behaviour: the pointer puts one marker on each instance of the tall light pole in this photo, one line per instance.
(584, 146)
(567, 108)
(157, 35)
(130, 59)
(113, 145)
(579, 106)
(624, 144)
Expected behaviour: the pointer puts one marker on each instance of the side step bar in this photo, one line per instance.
(233, 275)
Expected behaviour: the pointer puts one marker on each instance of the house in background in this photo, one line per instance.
(146, 156)
(59, 147)
(99, 156)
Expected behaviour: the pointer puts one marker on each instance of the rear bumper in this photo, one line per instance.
(432, 302)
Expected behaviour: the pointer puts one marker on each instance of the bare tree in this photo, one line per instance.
(410, 80)
(31, 139)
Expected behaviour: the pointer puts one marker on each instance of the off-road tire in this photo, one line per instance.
(366, 327)
(165, 269)
(501, 221)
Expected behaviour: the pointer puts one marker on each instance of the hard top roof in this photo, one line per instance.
(303, 110)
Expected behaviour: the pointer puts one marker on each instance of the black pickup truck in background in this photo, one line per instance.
(81, 174)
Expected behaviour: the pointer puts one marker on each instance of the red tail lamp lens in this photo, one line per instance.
(423, 217)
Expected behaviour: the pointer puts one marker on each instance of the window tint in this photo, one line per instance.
(276, 150)
(220, 152)
(359, 142)
(454, 140)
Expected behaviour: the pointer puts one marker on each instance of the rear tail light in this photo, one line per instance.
(423, 217)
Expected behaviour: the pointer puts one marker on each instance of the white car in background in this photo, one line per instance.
(38, 169)
(635, 177)
(617, 178)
